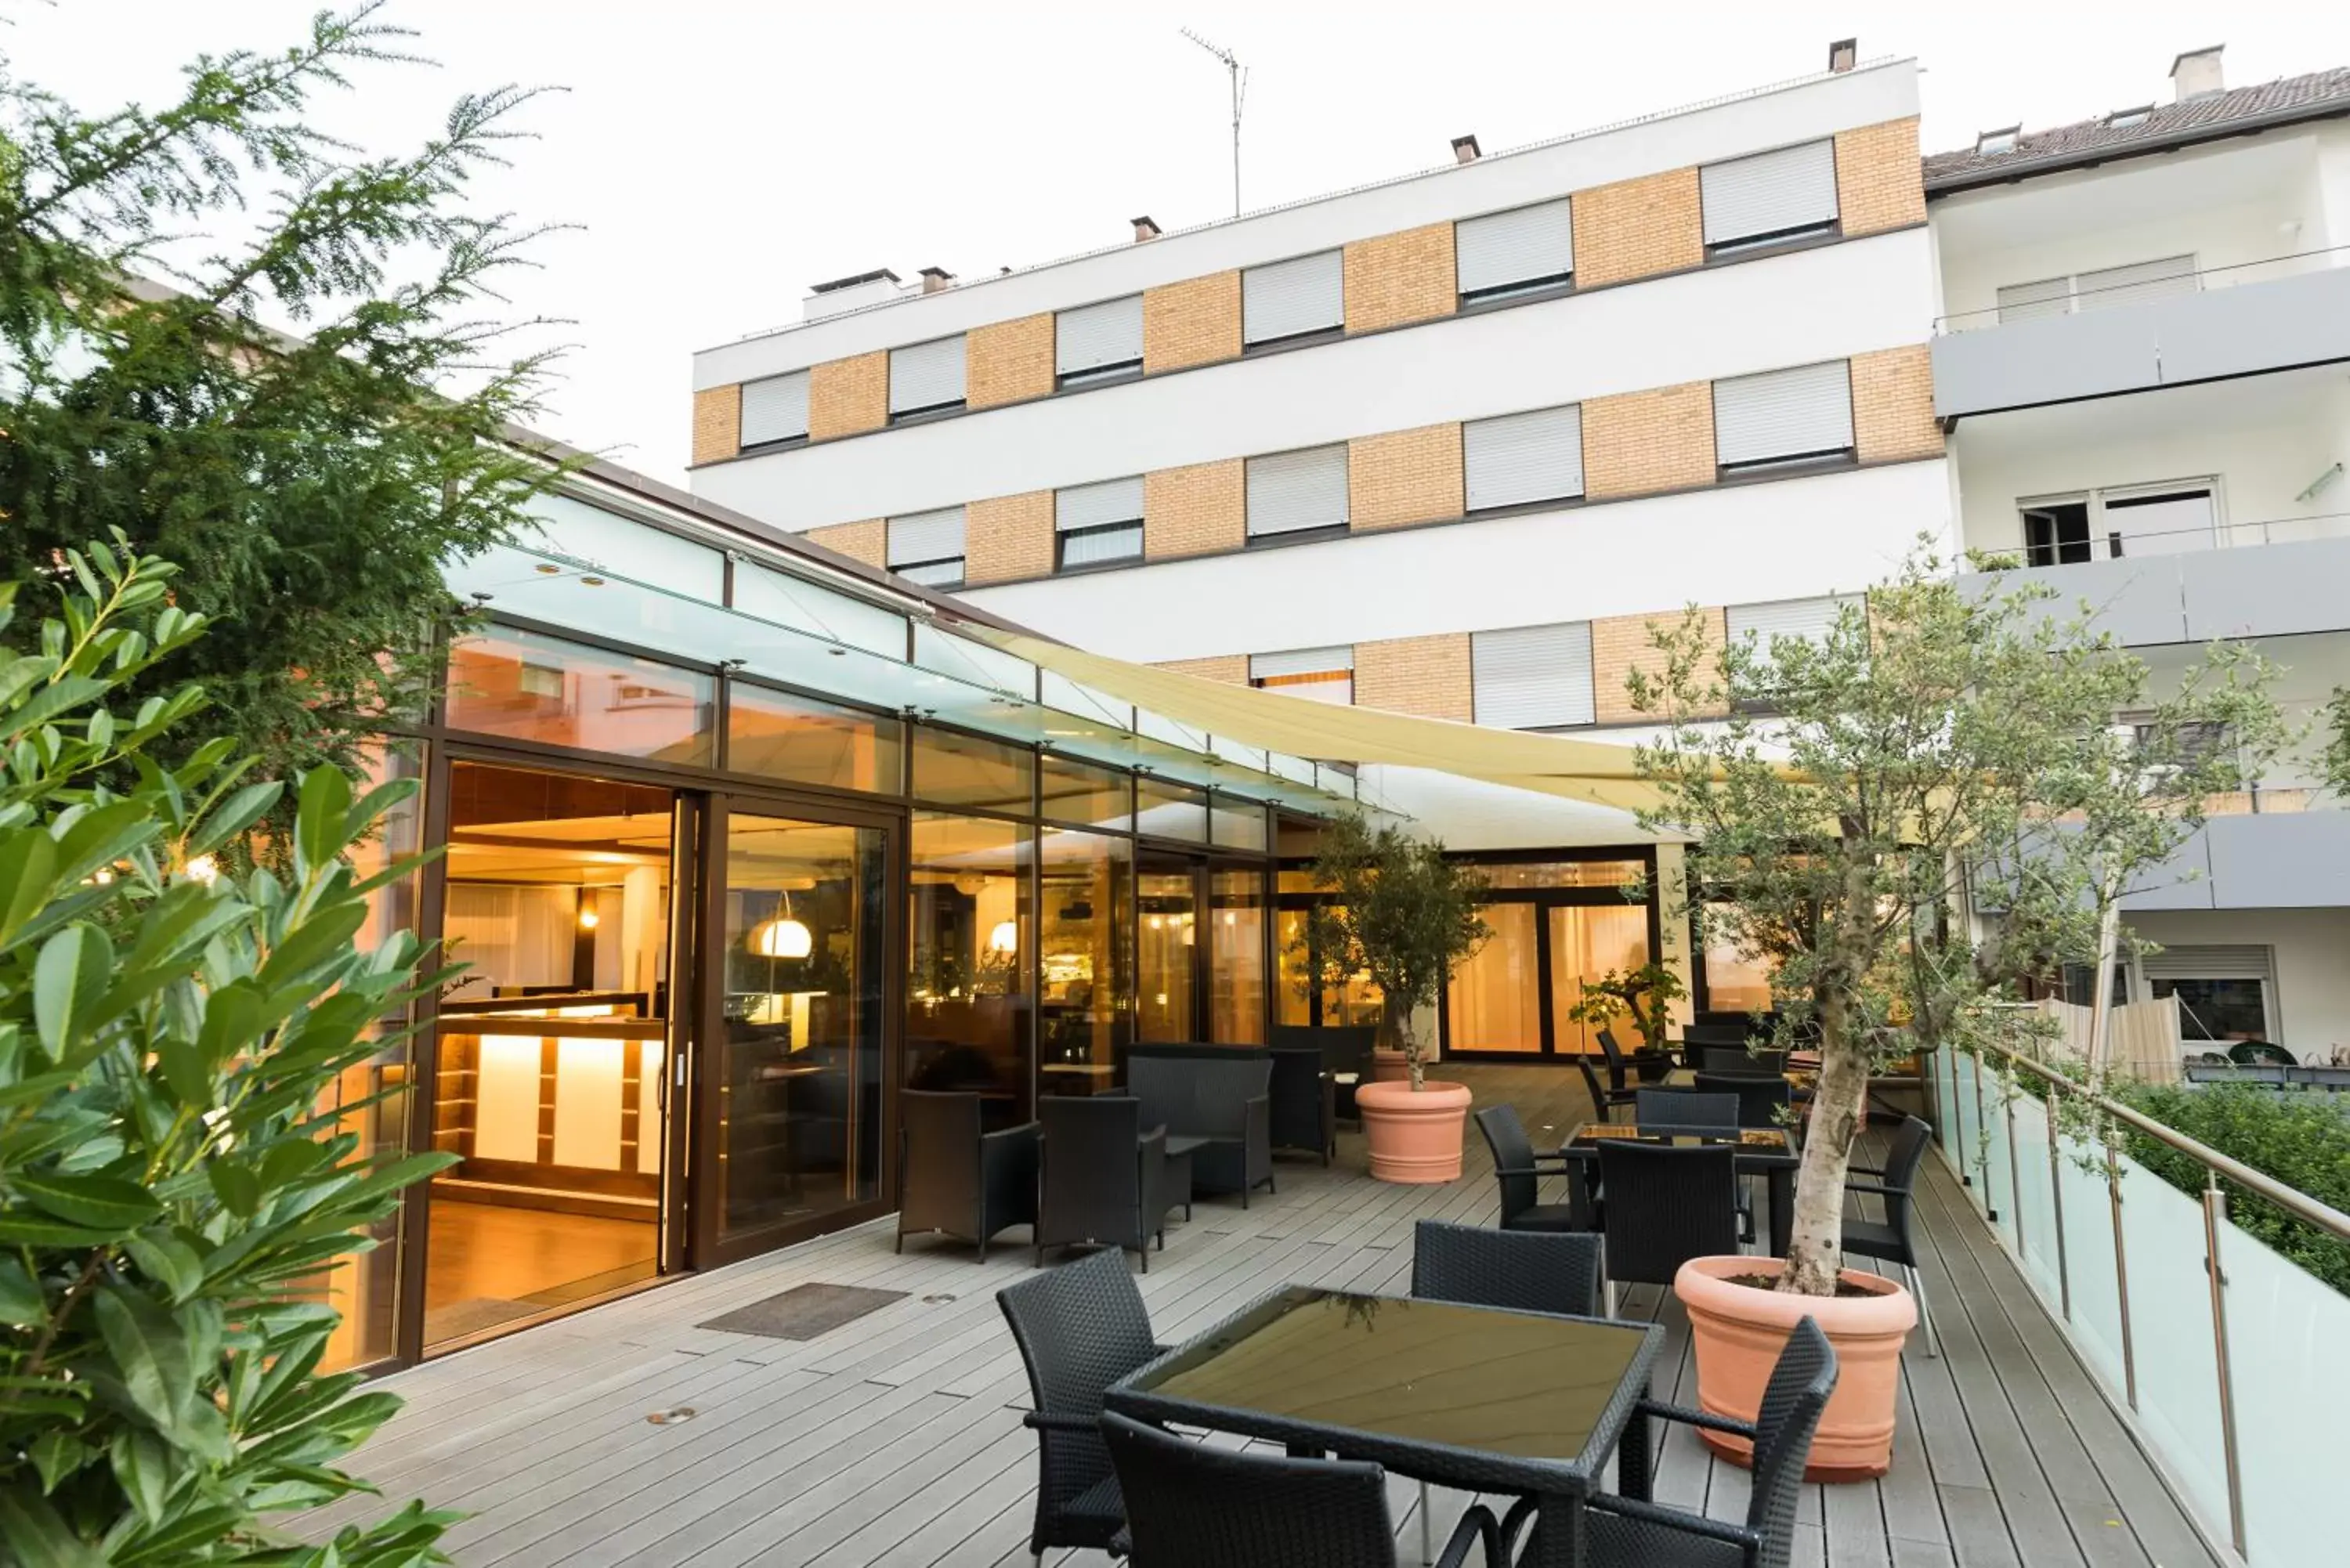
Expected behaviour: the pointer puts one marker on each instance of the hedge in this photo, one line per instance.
(2301, 1139)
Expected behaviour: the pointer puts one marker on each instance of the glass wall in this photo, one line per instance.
(1085, 942)
(1304, 995)
(969, 1002)
(524, 686)
(1556, 925)
(1166, 896)
(1494, 1002)
(1236, 947)
(952, 769)
(798, 740)
(1585, 942)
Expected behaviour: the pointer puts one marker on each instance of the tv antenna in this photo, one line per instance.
(1238, 75)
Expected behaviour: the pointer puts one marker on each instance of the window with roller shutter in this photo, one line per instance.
(1783, 417)
(1770, 198)
(1812, 620)
(1507, 255)
(1287, 301)
(927, 548)
(926, 378)
(1097, 524)
(1316, 674)
(775, 411)
(1533, 677)
(1096, 343)
(1518, 460)
(1293, 493)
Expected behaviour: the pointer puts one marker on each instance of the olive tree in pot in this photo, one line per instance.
(1847, 790)
(1405, 915)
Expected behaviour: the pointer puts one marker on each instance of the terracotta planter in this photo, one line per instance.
(1740, 1330)
(1414, 1137)
(1389, 1066)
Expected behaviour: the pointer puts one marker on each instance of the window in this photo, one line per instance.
(2222, 991)
(2194, 743)
(1519, 459)
(1768, 198)
(1097, 524)
(1296, 492)
(801, 740)
(504, 680)
(775, 409)
(2056, 534)
(1171, 810)
(956, 769)
(1236, 824)
(1783, 417)
(926, 378)
(2132, 284)
(2122, 118)
(2142, 520)
(926, 547)
(1809, 619)
(1087, 795)
(1991, 143)
(1533, 677)
(1321, 674)
(1298, 298)
(1098, 342)
(1504, 255)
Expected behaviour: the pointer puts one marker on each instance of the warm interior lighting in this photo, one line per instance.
(589, 920)
(1005, 937)
(782, 939)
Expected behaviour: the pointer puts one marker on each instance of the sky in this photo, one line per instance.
(714, 157)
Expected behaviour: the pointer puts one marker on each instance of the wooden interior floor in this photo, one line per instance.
(898, 1441)
(489, 1263)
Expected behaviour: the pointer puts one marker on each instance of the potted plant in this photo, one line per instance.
(1406, 916)
(1852, 792)
(1646, 994)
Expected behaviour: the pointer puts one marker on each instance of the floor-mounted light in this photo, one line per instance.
(589, 919)
(1005, 937)
(783, 938)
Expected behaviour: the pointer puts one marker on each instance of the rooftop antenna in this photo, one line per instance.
(1239, 74)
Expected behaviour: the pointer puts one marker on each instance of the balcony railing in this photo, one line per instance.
(2231, 1360)
(2115, 544)
(2078, 301)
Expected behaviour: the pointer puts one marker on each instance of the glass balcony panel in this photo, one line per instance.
(2170, 1335)
(2286, 1329)
(2096, 1320)
(2035, 1197)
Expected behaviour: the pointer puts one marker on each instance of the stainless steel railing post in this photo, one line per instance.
(2014, 1171)
(2215, 1216)
(2121, 1265)
(2056, 1197)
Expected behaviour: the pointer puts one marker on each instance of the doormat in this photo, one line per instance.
(803, 1312)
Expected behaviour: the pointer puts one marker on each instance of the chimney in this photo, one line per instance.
(1144, 229)
(935, 278)
(2196, 74)
(1841, 55)
(1465, 149)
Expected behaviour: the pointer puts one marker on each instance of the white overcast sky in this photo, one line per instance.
(720, 155)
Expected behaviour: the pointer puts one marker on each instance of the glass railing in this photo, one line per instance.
(2230, 1360)
(2073, 299)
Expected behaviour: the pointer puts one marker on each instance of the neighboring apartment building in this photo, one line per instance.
(2143, 365)
(1442, 445)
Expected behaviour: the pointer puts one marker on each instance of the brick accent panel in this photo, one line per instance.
(1005, 361)
(1621, 644)
(1196, 510)
(1635, 228)
(846, 396)
(1404, 476)
(717, 423)
(867, 540)
(1396, 278)
(1195, 322)
(1229, 668)
(1639, 442)
(1893, 404)
(1006, 537)
(1879, 182)
(1425, 676)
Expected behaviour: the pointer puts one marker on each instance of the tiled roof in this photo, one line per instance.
(2170, 124)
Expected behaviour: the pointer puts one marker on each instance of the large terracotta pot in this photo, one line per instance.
(1389, 1066)
(1414, 1136)
(1739, 1331)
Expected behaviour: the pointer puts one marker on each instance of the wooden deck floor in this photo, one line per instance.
(897, 1440)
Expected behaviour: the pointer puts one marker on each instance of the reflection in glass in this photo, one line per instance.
(1236, 967)
(1733, 982)
(801, 740)
(1586, 941)
(1494, 1002)
(1083, 794)
(968, 997)
(529, 687)
(799, 1072)
(1239, 823)
(1171, 810)
(1084, 938)
(1564, 874)
(1168, 899)
(954, 769)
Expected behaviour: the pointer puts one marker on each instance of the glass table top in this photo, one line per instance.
(1426, 1372)
(1747, 1140)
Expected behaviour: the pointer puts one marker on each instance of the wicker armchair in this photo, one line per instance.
(1104, 1180)
(1304, 1111)
(1892, 1241)
(1604, 1100)
(1762, 1096)
(956, 1179)
(1193, 1506)
(1664, 1206)
(1080, 1328)
(1685, 1110)
(1519, 1170)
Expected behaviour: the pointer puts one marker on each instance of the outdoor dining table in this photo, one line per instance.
(1767, 1152)
(1476, 1398)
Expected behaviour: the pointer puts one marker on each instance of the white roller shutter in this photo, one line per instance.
(1520, 458)
(1533, 677)
(775, 409)
(1768, 193)
(2159, 522)
(1301, 661)
(1504, 250)
(1802, 412)
(1093, 505)
(1292, 491)
(2028, 301)
(926, 375)
(926, 536)
(2137, 283)
(1284, 300)
(1808, 618)
(1094, 337)
(2214, 962)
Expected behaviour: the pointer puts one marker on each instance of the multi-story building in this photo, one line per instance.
(1443, 445)
(2140, 365)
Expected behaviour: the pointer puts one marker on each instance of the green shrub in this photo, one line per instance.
(170, 1192)
(2300, 1139)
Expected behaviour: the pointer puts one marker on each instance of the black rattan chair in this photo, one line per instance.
(1103, 1182)
(957, 1181)
(1892, 1240)
(1648, 1066)
(1304, 1102)
(1739, 1059)
(1604, 1100)
(1686, 1110)
(1225, 1103)
(1080, 1328)
(1193, 1506)
(1664, 1206)
(1631, 1532)
(1519, 1170)
(1762, 1096)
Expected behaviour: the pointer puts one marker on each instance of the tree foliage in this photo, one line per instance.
(1400, 911)
(1937, 741)
(309, 486)
(170, 1191)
